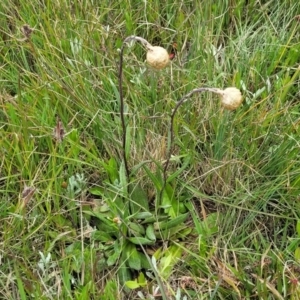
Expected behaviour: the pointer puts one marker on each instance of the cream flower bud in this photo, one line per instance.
(231, 98)
(157, 57)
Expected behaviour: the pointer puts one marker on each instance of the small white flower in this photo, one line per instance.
(157, 57)
(231, 98)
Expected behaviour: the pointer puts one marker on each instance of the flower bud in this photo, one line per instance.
(157, 57)
(117, 220)
(231, 98)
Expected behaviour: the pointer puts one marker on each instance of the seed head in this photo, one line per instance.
(231, 98)
(157, 57)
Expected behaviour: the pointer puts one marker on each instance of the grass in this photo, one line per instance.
(74, 225)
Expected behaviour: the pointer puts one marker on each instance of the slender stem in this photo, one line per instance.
(148, 46)
(122, 111)
(184, 99)
(120, 77)
(138, 39)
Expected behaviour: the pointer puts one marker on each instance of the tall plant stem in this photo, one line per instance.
(120, 77)
(184, 99)
(122, 111)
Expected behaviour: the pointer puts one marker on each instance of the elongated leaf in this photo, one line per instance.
(136, 228)
(141, 241)
(173, 232)
(124, 275)
(169, 259)
(143, 215)
(116, 254)
(134, 261)
(185, 164)
(298, 228)
(150, 232)
(297, 254)
(139, 200)
(123, 179)
(128, 141)
(112, 170)
(171, 223)
(113, 258)
(157, 183)
(98, 191)
(110, 291)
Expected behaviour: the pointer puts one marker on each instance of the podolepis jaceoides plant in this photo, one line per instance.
(231, 99)
(129, 223)
(158, 58)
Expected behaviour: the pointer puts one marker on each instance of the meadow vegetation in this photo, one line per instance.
(223, 222)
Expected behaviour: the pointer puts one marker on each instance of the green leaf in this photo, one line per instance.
(101, 236)
(124, 275)
(150, 232)
(184, 232)
(140, 241)
(136, 229)
(210, 224)
(112, 259)
(21, 288)
(97, 191)
(171, 223)
(154, 219)
(116, 91)
(185, 164)
(141, 279)
(143, 215)
(139, 200)
(173, 232)
(168, 260)
(123, 179)
(157, 183)
(128, 141)
(144, 261)
(112, 170)
(297, 254)
(132, 284)
(116, 254)
(110, 291)
(134, 261)
(298, 228)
